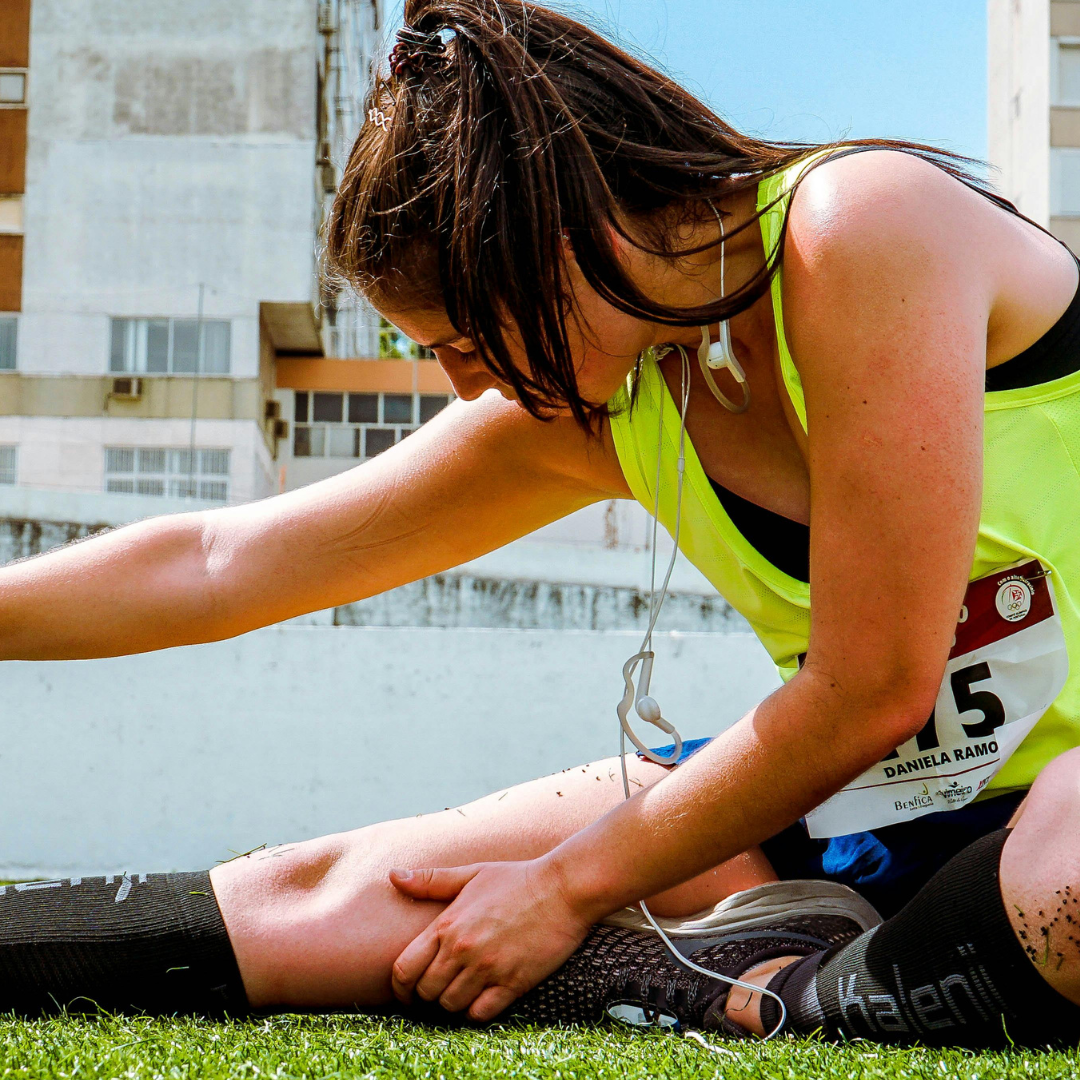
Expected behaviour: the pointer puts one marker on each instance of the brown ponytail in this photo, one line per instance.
(507, 125)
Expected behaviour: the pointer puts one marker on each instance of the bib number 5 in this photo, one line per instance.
(981, 700)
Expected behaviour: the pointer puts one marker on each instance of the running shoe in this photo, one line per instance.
(630, 975)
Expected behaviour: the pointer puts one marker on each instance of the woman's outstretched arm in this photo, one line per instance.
(479, 475)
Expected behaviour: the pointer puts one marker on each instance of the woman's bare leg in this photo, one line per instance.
(318, 924)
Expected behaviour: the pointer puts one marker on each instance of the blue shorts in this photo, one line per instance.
(887, 866)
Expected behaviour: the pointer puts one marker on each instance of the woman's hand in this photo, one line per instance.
(508, 926)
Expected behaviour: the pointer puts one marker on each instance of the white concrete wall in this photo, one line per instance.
(1018, 99)
(171, 760)
(533, 558)
(67, 453)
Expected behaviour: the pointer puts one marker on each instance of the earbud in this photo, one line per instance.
(715, 356)
(648, 708)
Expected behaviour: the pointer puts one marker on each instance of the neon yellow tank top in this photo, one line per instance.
(1031, 503)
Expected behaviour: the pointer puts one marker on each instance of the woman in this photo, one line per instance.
(558, 223)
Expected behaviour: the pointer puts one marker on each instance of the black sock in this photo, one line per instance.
(153, 943)
(946, 970)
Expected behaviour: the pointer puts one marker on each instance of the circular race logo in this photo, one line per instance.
(1014, 599)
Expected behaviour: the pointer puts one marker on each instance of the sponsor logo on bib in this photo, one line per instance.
(1014, 600)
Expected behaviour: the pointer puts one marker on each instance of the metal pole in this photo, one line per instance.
(195, 391)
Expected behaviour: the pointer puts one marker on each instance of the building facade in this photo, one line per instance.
(164, 170)
(1034, 109)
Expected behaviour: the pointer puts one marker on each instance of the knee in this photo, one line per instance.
(286, 876)
(1056, 791)
(1050, 815)
(306, 868)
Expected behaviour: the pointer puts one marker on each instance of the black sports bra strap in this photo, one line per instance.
(1055, 355)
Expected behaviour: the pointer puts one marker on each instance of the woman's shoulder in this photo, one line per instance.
(879, 199)
(880, 224)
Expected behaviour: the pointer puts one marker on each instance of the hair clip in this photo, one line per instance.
(379, 119)
(415, 51)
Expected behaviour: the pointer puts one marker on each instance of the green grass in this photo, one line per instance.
(347, 1046)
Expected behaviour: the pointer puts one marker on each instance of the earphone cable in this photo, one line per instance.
(654, 608)
(645, 645)
(654, 614)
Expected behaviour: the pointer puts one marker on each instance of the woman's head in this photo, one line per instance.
(511, 150)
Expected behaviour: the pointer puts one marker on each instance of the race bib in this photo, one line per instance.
(1007, 665)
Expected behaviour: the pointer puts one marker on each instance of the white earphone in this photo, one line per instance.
(638, 697)
(719, 355)
(714, 356)
(711, 357)
(647, 708)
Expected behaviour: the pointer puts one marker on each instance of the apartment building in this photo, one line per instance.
(1034, 109)
(164, 170)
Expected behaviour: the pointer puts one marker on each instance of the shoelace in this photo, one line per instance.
(678, 996)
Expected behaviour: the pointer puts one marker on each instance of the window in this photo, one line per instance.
(9, 339)
(9, 464)
(363, 408)
(430, 406)
(397, 409)
(171, 346)
(11, 214)
(327, 408)
(1066, 75)
(376, 440)
(1064, 182)
(394, 345)
(157, 470)
(358, 425)
(12, 87)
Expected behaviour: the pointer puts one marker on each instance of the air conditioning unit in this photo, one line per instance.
(273, 410)
(131, 389)
(281, 429)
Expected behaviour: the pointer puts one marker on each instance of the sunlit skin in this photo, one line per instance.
(900, 288)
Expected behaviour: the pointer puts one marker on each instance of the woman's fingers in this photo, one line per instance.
(413, 962)
(426, 967)
(506, 927)
(494, 1000)
(434, 884)
(466, 987)
(440, 973)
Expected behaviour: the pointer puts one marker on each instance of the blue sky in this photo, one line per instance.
(820, 69)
